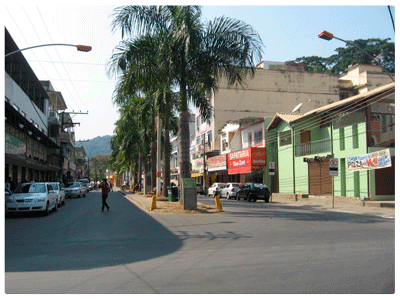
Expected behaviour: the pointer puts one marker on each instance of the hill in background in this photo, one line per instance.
(97, 146)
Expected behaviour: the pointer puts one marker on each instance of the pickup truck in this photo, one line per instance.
(253, 191)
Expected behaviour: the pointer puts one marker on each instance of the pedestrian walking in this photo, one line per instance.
(104, 194)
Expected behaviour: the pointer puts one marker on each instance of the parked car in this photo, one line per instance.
(200, 189)
(253, 191)
(215, 188)
(32, 196)
(7, 195)
(59, 188)
(229, 190)
(75, 190)
(85, 183)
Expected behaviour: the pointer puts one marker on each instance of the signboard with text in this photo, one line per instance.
(244, 161)
(370, 161)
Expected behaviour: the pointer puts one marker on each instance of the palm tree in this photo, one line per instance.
(201, 54)
(145, 66)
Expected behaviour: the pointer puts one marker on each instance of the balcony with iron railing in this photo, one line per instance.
(315, 147)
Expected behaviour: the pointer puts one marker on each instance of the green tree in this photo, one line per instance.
(350, 55)
(200, 54)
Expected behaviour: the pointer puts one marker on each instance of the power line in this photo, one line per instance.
(73, 86)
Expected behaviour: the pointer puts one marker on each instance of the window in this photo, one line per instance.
(341, 138)
(384, 124)
(209, 136)
(258, 137)
(285, 138)
(198, 140)
(355, 136)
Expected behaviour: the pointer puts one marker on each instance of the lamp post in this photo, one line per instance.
(325, 35)
(78, 47)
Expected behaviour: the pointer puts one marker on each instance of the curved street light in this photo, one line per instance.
(78, 47)
(325, 35)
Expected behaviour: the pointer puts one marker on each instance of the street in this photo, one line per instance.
(249, 248)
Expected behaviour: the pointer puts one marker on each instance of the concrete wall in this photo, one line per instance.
(272, 91)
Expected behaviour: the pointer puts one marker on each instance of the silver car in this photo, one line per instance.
(229, 190)
(32, 196)
(215, 188)
(59, 188)
(76, 189)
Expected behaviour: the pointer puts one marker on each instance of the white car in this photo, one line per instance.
(76, 189)
(229, 190)
(85, 183)
(59, 188)
(215, 188)
(32, 196)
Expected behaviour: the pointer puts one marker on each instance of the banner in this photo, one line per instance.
(14, 145)
(371, 161)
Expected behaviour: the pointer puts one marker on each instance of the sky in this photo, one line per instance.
(288, 32)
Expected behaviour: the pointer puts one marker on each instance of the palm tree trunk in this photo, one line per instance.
(167, 163)
(139, 172)
(153, 164)
(184, 133)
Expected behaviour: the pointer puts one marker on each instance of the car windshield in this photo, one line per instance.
(31, 188)
(76, 184)
(55, 186)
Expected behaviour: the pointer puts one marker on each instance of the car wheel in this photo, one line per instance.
(248, 198)
(84, 195)
(46, 212)
(266, 199)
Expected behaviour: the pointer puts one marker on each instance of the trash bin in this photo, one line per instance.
(172, 194)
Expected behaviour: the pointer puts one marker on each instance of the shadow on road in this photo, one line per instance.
(78, 237)
(315, 213)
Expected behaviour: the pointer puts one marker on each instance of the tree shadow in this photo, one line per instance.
(79, 237)
(307, 212)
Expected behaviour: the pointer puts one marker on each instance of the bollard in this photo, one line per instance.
(218, 202)
(153, 202)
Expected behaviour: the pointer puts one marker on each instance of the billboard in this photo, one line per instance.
(370, 161)
(245, 161)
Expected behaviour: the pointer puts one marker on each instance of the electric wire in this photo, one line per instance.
(66, 72)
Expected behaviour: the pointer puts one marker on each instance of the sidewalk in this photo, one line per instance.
(383, 209)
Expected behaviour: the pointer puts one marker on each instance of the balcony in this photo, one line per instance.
(312, 148)
(54, 118)
(67, 137)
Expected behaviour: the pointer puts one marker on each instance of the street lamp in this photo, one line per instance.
(78, 47)
(325, 35)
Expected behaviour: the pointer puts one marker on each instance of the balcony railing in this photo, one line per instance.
(314, 147)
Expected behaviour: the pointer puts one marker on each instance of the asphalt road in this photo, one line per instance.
(252, 248)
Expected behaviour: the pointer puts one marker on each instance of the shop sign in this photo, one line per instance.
(14, 146)
(217, 163)
(370, 161)
(244, 161)
(197, 165)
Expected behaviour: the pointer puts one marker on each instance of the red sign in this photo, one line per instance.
(245, 161)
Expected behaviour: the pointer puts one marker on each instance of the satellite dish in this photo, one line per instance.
(297, 108)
